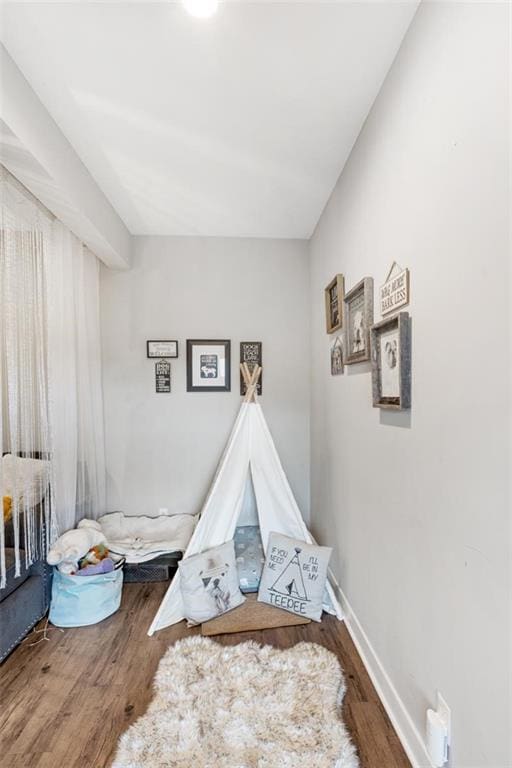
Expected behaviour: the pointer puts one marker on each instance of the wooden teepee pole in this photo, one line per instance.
(250, 381)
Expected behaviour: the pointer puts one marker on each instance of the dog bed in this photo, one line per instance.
(144, 538)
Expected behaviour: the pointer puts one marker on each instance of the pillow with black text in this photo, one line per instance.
(294, 576)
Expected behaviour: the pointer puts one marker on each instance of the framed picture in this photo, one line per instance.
(162, 349)
(251, 353)
(208, 365)
(395, 292)
(337, 366)
(334, 304)
(162, 376)
(358, 320)
(391, 362)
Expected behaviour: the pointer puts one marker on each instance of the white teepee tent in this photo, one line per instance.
(249, 448)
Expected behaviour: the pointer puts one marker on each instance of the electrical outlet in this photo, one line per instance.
(438, 725)
(445, 713)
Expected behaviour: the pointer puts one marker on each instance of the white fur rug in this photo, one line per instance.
(242, 706)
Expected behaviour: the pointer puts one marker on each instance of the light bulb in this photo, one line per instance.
(201, 9)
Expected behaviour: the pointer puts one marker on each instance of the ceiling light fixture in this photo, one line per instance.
(201, 9)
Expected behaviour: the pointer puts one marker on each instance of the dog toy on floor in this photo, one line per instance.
(73, 545)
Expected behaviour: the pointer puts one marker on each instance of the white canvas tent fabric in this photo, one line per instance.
(249, 448)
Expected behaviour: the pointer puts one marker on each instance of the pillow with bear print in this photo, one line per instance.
(209, 583)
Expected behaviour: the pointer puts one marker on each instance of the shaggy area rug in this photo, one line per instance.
(242, 706)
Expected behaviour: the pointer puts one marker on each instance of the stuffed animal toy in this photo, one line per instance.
(94, 556)
(73, 545)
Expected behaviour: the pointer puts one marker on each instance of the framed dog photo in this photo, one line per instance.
(358, 321)
(337, 366)
(391, 362)
(334, 304)
(208, 365)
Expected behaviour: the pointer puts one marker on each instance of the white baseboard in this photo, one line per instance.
(407, 732)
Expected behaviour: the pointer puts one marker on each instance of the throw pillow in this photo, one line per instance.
(209, 583)
(294, 576)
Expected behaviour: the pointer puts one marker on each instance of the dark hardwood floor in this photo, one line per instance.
(65, 702)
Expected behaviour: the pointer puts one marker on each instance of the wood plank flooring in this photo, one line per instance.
(66, 701)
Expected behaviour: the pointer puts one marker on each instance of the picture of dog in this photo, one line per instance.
(391, 348)
(389, 363)
(209, 366)
(215, 584)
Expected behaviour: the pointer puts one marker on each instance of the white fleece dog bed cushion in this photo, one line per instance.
(143, 538)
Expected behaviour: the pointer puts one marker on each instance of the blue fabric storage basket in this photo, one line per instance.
(78, 601)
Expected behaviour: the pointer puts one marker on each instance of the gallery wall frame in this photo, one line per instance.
(391, 362)
(358, 319)
(157, 348)
(208, 365)
(337, 364)
(395, 293)
(162, 376)
(334, 294)
(251, 352)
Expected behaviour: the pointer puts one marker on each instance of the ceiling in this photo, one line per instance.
(234, 126)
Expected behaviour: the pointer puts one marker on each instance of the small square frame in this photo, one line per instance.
(337, 284)
(402, 322)
(363, 293)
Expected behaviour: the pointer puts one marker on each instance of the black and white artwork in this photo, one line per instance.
(161, 349)
(162, 376)
(389, 351)
(208, 365)
(216, 585)
(358, 320)
(334, 304)
(252, 354)
(294, 576)
(337, 366)
(391, 362)
(396, 290)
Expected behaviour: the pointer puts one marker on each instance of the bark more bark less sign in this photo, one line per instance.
(395, 291)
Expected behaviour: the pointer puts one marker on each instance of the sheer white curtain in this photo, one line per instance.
(25, 235)
(50, 369)
(74, 380)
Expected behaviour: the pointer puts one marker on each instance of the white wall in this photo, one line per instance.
(418, 508)
(162, 449)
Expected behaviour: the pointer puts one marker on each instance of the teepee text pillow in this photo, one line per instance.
(209, 583)
(294, 576)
